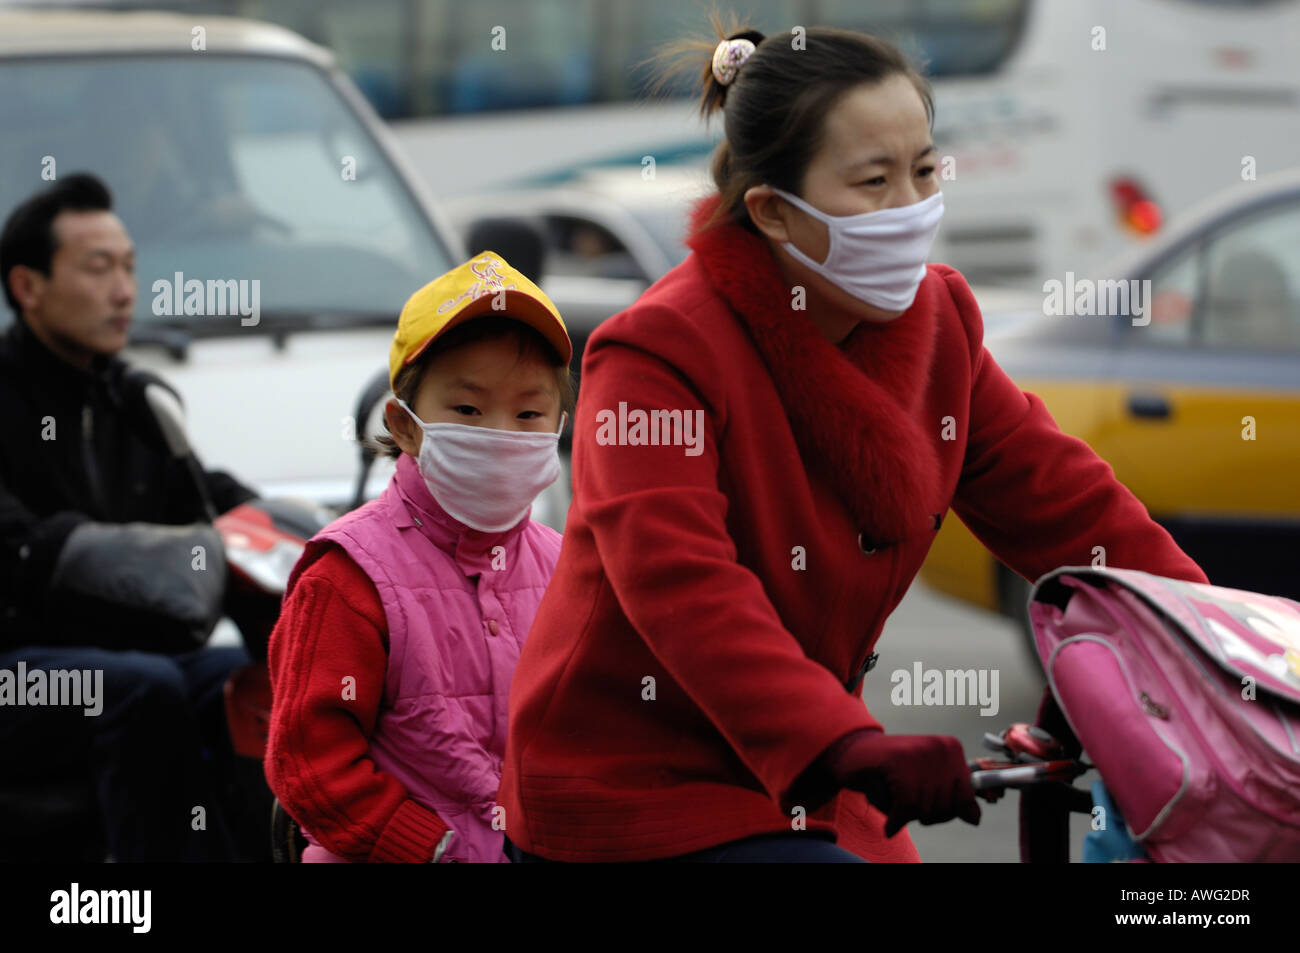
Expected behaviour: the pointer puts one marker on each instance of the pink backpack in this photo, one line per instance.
(1187, 699)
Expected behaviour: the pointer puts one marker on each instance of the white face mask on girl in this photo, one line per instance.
(878, 257)
(486, 478)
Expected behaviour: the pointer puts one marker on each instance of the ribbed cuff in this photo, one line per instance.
(410, 837)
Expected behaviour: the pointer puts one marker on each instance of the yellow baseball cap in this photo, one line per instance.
(484, 284)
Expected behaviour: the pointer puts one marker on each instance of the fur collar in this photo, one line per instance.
(852, 407)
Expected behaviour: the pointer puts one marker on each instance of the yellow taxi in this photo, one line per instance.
(1192, 393)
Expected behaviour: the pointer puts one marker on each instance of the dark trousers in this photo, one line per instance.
(158, 755)
(791, 848)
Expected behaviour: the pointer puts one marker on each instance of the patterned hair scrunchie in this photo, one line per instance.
(728, 58)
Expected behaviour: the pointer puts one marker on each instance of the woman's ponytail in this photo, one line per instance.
(695, 57)
(725, 63)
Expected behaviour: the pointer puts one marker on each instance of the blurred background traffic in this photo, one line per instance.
(344, 153)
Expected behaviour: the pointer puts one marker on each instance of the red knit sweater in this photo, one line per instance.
(331, 627)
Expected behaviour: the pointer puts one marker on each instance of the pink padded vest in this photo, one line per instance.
(459, 604)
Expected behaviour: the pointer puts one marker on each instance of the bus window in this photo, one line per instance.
(1235, 3)
(368, 40)
(415, 58)
(481, 57)
(637, 31)
(947, 37)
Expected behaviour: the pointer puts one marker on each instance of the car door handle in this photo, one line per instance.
(1148, 405)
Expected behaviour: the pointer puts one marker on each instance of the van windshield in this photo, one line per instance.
(225, 168)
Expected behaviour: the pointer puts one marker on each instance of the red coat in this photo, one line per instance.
(688, 663)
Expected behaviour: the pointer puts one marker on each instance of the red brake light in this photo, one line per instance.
(1134, 207)
(1144, 216)
(1233, 57)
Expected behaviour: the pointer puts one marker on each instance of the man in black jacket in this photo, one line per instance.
(111, 577)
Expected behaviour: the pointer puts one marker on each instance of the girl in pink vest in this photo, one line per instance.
(403, 620)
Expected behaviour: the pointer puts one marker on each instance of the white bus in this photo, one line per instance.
(1070, 128)
(1105, 119)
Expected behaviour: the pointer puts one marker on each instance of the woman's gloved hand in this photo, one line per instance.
(909, 777)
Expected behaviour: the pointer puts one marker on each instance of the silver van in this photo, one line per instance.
(278, 230)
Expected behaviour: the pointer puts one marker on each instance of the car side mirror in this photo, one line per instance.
(170, 416)
(369, 418)
(164, 407)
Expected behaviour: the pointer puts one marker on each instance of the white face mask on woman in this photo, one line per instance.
(486, 478)
(877, 257)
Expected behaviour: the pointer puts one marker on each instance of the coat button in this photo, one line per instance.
(493, 627)
(865, 549)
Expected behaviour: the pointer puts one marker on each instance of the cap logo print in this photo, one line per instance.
(489, 282)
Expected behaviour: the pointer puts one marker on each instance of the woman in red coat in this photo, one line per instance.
(764, 447)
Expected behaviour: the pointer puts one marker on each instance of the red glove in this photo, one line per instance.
(909, 777)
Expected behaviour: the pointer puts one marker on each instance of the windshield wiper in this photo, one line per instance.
(320, 320)
(278, 324)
